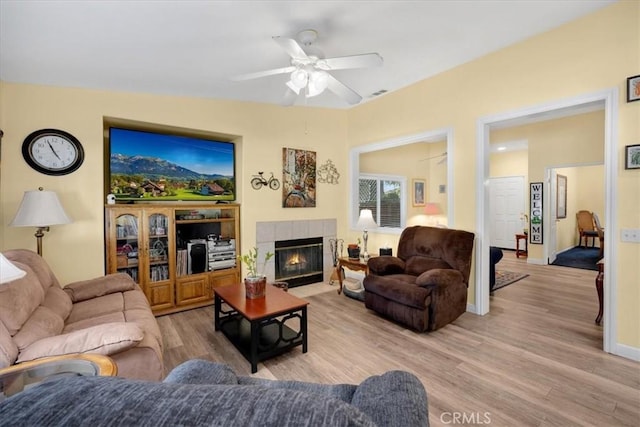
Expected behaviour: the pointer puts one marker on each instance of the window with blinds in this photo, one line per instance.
(385, 196)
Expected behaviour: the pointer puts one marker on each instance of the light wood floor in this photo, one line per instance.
(534, 360)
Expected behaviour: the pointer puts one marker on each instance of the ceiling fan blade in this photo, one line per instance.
(354, 61)
(340, 89)
(266, 73)
(291, 47)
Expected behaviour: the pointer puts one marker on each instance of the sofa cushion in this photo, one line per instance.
(43, 323)
(115, 401)
(400, 288)
(96, 307)
(418, 264)
(19, 299)
(57, 301)
(392, 399)
(97, 287)
(8, 349)
(39, 266)
(198, 371)
(93, 321)
(104, 339)
(439, 277)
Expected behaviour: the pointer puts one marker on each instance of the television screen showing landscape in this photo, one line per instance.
(148, 166)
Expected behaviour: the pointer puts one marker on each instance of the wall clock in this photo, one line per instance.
(52, 152)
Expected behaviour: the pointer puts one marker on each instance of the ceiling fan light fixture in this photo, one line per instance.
(299, 78)
(318, 82)
(293, 87)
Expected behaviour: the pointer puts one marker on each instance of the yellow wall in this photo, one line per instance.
(509, 163)
(76, 251)
(590, 54)
(584, 56)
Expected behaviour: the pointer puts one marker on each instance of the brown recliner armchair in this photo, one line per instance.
(425, 286)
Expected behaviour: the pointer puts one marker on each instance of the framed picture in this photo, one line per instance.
(419, 186)
(632, 157)
(633, 88)
(298, 178)
(561, 197)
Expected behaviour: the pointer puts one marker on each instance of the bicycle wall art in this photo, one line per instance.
(298, 178)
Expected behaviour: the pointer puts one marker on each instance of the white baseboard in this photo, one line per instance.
(471, 308)
(627, 352)
(536, 261)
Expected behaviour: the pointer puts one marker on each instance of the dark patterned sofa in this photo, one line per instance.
(425, 286)
(199, 393)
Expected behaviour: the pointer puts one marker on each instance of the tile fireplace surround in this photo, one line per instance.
(267, 233)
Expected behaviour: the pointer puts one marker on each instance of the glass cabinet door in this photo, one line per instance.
(158, 247)
(127, 245)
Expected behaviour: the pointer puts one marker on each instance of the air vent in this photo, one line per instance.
(378, 93)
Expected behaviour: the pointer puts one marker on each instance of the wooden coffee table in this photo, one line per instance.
(261, 328)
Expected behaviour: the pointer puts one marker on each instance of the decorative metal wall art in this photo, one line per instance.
(258, 181)
(328, 174)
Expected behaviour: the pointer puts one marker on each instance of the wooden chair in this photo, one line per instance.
(600, 231)
(586, 228)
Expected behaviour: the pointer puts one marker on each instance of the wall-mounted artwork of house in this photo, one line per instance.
(298, 178)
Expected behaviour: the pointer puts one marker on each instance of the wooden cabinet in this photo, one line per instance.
(177, 253)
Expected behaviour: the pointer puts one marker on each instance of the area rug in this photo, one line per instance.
(505, 278)
(579, 257)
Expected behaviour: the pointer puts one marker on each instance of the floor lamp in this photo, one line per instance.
(365, 221)
(40, 208)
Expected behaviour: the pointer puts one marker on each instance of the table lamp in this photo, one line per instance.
(431, 209)
(365, 221)
(40, 208)
(8, 271)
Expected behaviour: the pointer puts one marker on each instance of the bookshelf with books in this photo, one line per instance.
(151, 242)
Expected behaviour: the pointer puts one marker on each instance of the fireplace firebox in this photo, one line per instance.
(299, 261)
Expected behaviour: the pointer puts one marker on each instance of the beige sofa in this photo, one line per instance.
(107, 315)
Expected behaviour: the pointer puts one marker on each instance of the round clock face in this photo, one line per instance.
(53, 152)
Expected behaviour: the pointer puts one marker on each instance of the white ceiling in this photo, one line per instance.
(192, 48)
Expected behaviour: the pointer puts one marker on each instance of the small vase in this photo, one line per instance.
(255, 287)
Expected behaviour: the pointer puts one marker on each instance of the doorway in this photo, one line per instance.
(608, 100)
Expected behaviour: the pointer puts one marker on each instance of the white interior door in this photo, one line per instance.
(506, 198)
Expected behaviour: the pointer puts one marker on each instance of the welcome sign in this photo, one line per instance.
(535, 213)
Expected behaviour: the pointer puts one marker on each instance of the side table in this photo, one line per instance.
(526, 248)
(17, 378)
(355, 264)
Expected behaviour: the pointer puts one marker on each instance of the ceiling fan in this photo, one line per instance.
(442, 158)
(309, 69)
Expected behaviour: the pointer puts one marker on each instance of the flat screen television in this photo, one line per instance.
(163, 166)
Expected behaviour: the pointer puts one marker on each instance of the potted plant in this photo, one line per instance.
(353, 249)
(255, 282)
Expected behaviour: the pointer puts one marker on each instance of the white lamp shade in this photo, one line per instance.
(40, 208)
(366, 221)
(8, 271)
